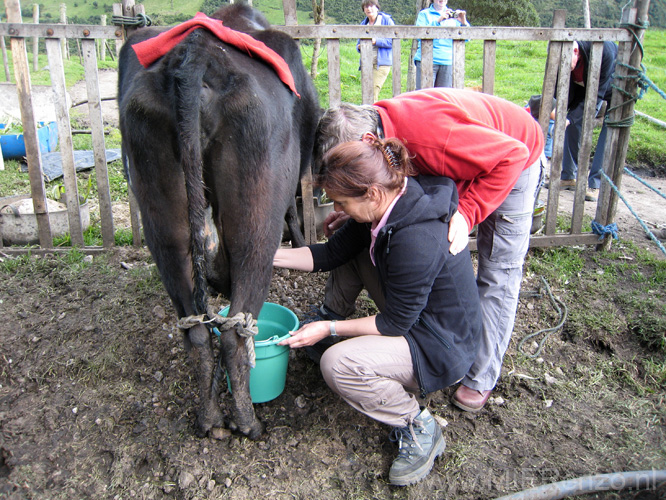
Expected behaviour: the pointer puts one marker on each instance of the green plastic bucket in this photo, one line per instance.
(268, 377)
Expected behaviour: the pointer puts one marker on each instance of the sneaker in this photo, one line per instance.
(568, 184)
(419, 445)
(316, 351)
(591, 194)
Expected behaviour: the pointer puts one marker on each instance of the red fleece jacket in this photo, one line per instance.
(480, 141)
(152, 49)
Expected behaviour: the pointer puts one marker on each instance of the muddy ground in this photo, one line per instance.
(97, 398)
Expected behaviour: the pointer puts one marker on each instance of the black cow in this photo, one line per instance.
(206, 128)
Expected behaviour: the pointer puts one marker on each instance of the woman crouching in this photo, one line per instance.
(426, 334)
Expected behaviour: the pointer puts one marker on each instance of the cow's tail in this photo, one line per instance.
(188, 84)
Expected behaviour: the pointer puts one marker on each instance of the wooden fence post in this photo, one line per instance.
(99, 147)
(118, 11)
(57, 71)
(307, 194)
(334, 90)
(33, 155)
(489, 58)
(608, 198)
(131, 10)
(289, 8)
(585, 143)
(459, 68)
(35, 40)
(553, 61)
(396, 70)
(63, 20)
(5, 59)
(101, 43)
(367, 91)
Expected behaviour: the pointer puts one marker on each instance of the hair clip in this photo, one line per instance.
(390, 157)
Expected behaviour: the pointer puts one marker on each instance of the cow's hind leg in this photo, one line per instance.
(235, 358)
(165, 228)
(204, 362)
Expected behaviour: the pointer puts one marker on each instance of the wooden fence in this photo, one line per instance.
(560, 47)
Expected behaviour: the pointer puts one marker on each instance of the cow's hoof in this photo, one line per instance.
(253, 431)
(205, 424)
(219, 433)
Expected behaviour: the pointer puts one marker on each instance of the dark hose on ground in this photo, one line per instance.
(590, 484)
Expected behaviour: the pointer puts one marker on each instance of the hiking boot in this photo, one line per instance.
(419, 445)
(470, 399)
(568, 184)
(591, 194)
(316, 351)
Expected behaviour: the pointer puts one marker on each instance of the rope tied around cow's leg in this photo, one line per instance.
(244, 324)
(188, 322)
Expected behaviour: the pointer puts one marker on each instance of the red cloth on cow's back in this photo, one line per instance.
(152, 49)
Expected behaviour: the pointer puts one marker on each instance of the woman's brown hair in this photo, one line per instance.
(351, 168)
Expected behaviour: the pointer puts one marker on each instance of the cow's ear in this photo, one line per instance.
(369, 138)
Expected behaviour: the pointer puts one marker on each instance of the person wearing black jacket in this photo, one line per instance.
(426, 336)
(579, 77)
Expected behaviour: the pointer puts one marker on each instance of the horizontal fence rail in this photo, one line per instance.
(461, 33)
(69, 31)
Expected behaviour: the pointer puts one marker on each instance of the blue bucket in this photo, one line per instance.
(268, 377)
(13, 145)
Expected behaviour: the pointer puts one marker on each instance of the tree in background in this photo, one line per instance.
(318, 15)
(493, 13)
(603, 13)
(210, 6)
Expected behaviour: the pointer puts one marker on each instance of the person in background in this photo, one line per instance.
(426, 336)
(382, 48)
(533, 107)
(442, 48)
(580, 70)
(493, 151)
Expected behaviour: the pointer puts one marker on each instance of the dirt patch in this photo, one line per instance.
(108, 91)
(97, 401)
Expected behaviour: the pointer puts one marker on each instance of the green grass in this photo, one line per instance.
(557, 264)
(639, 307)
(73, 68)
(26, 265)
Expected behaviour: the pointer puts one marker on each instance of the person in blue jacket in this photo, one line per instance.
(382, 48)
(427, 333)
(438, 14)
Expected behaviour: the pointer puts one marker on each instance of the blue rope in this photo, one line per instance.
(656, 190)
(602, 231)
(633, 212)
(643, 83)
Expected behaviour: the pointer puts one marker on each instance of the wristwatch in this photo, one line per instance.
(332, 328)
